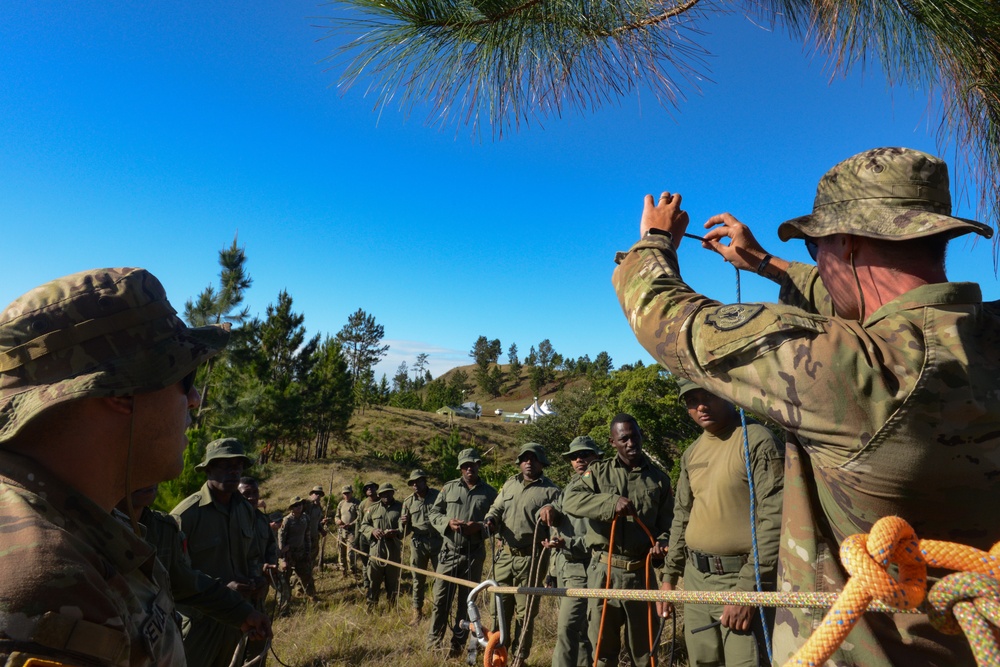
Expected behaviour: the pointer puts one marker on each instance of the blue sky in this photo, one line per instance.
(149, 134)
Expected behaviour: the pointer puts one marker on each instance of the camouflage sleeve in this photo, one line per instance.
(673, 565)
(585, 500)
(826, 379)
(768, 466)
(283, 533)
(802, 288)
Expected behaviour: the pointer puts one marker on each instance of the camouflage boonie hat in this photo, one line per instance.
(884, 193)
(296, 500)
(468, 455)
(534, 448)
(347, 488)
(583, 443)
(367, 484)
(415, 475)
(224, 448)
(386, 488)
(684, 386)
(97, 333)
(317, 490)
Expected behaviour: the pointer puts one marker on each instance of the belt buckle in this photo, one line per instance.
(717, 563)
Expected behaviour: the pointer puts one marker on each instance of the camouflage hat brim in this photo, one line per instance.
(880, 222)
(247, 461)
(57, 345)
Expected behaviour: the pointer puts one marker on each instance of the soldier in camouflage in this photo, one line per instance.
(710, 541)
(317, 522)
(96, 384)
(346, 517)
(220, 527)
(267, 543)
(370, 489)
(524, 500)
(426, 542)
(380, 526)
(295, 544)
(884, 373)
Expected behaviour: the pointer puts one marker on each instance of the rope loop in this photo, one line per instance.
(866, 559)
(495, 653)
(982, 591)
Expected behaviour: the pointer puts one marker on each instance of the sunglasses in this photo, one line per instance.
(187, 382)
(812, 248)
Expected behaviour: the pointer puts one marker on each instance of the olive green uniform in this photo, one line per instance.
(425, 543)
(383, 517)
(515, 512)
(897, 415)
(347, 512)
(594, 499)
(710, 542)
(314, 512)
(294, 545)
(76, 584)
(363, 543)
(569, 565)
(221, 543)
(461, 555)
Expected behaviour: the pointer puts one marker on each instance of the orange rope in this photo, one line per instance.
(607, 584)
(892, 540)
(495, 653)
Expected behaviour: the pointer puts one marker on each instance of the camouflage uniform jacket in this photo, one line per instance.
(383, 517)
(516, 507)
(347, 512)
(595, 497)
(314, 513)
(294, 538)
(222, 542)
(458, 501)
(573, 530)
(418, 509)
(76, 584)
(898, 415)
(717, 491)
(189, 586)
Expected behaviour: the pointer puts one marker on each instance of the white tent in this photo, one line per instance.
(474, 407)
(534, 411)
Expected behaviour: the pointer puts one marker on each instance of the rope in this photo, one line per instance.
(534, 568)
(495, 653)
(968, 601)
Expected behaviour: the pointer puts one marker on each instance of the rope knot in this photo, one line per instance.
(868, 557)
(957, 596)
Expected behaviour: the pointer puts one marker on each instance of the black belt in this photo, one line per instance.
(712, 564)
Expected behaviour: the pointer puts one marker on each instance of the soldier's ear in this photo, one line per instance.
(123, 405)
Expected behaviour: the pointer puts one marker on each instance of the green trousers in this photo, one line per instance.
(573, 647)
(461, 564)
(632, 616)
(424, 550)
(514, 570)
(719, 646)
(380, 573)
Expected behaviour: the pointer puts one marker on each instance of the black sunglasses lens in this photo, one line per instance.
(812, 249)
(187, 382)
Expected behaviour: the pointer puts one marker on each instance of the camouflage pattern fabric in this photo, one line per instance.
(383, 517)
(347, 513)
(104, 332)
(101, 597)
(898, 415)
(425, 544)
(294, 546)
(314, 513)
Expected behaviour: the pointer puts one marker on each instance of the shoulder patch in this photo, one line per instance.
(733, 316)
(587, 473)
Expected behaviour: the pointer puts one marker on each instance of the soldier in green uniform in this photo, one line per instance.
(369, 501)
(457, 515)
(380, 527)
(883, 371)
(317, 523)
(294, 544)
(267, 542)
(569, 565)
(710, 543)
(425, 543)
(346, 518)
(525, 499)
(627, 487)
(96, 385)
(220, 527)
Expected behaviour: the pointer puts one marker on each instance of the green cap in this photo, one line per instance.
(317, 490)
(367, 484)
(104, 332)
(415, 475)
(534, 448)
(347, 488)
(684, 386)
(884, 193)
(224, 448)
(296, 500)
(583, 443)
(386, 488)
(469, 455)
(275, 516)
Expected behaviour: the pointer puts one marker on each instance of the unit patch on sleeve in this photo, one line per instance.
(733, 316)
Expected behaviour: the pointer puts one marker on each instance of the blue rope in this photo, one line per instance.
(753, 509)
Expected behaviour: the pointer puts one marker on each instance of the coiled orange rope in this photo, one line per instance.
(495, 653)
(973, 600)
